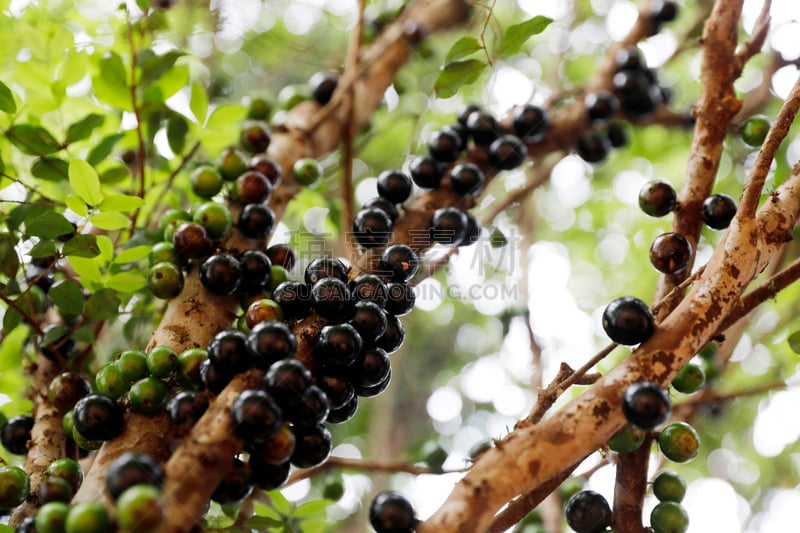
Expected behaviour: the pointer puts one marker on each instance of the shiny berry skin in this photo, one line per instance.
(628, 321)
(670, 253)
(384, 205)
(593, 147)
(16, 433)
(588, 512)
(215, 378)
(426, 172)
(235, 486)
(629, 58)
(626, 440)
(255, 137)
(110, 381)
(148, 395)
(637, 95)
(395, 186)
(401, 298)
(67, 469)
(139, 509)
(88, 517)
(754, 130)
(311, 410)
(337, 389)
(271, 341)
(330, 298)
(669, 487)
(322, 84)
(252, 187)
(294, 299)
(206, 181)
(645, 404)
(679, 442)
(617, 134)
(306, 171)
(370, 288)
(465, 112)
(267, 476)
(342, 414)
(256, 221)
(467, 179)
(391, 512)
(669, 517)
(312, 445)
(374, 390)
(133, 468)
(14, 486)
(165, 280)
(190, 361)
(185, 409)
(530, 122)
(132, 364)
(338, 345)
(98, 417)
(221, 274)
(228, 348)
(507, 152)
(601, 106)
(282, 255)
(448, 225)
(191, 241)
(286, 381)
(372, 228)
(663, 11)
(162, 361)
(399, 263)
(325, 267)
(255, 416)
(170, 221)
(392, 336)
(657, 198)
(370, 368)
(215, 218)
(369, 320)
(718, 211)
(482, 127)
(472, 232)
(256, 271)
(267, 166)
(444, 146)
(55, 489)
(52, 517)
(689, 379)
(275, 451)
(66, 389)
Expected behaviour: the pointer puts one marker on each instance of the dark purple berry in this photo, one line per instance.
(588, 512)
(330, 298)
(628, 320)
(372, 228)
(322, 84)
(235, 486)
(657, 198)
(593, 147)
(370, 288)
(390, 512)
(255, 137)
(482, 127)
(253, 187)
(601, 106)
(271, 341)
(311, 410)
(369, 320)
(325, 267)
(394, 185)
(256, 271)
(255, 416)
(215, 378)
(718, 211)
(67, 388)
(444, 146)
(401, 298)
(338, 345)
(344, 413)
(384, 205)
(399, 262)
(132, 468)
(530, 122)
(467, 179)
(256, 221)
(465, 112)
(472, 232)
(267, 166)
(294, 298)
(313, 445)
(221, 274)
(98, 418)
(337, 389)
(370, 368)
(448, 225)
(185, 409)
(670, 253)
(282, 255)
(617, 134)
(191, 241)
(375, 390)
(392, 336)
(646, 405)
(629, 58)
(287, 381)
(267, 476)
(507, 152)
(426, 172)
(16, 433)
(228, 349)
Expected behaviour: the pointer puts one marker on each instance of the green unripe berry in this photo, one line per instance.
(14, 486)
(689, 379)
(291, 95)
(627, 439)
(133, 365)
(83, 442)
(215, 218)
(669, 517)
(189, 362)
(52, 518)
(231, 163)
(55, 489)
(434, 455)
(679, 442)
(669, 487)
(277, 275)
(165, 281)
(111, 381)
(206, 181)
(333, 489)
(139, 509)
(171, 220)
(148, 395)
(259, 108)
(306, 171)
(88, 517)
(162, 361)
(68, 469)
(754, 130)
(66, 422)
(163, 252)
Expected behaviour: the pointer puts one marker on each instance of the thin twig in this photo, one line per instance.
(392, 467)
(485, 25)
(757, 38)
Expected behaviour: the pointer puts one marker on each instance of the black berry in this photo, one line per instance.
(530, 122)
(256, 271)
(255, 416)
(444, 146)
(294, 298)
(330, 298)
(646, 405)
(593, 146)
(467, 179)
(229, 349)
(271, 341)
(338, 345)
(221, 274)
(399, 262)
(588, 512)
(390, 512)
(448, 225)
(670, 253)
(628, 320)
(372, 228)
(322, 85)
(718, 211)
(507, 152)
(256, 221)
(16, 433)
(312, 447)
(426, 172)
(132, 468)
(601, 106)
(325, 267)
(394, 185)
(98, 418)
(657, 198)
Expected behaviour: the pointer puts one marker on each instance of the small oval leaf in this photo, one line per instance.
(462, 48)
(516, 35)
(110, 220)
(456, 75)
(81, 246)
(84, 181)
(7, 102)
(121, 202)
(32, 140)
(67, 296)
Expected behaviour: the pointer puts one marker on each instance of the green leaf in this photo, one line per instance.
(198, 102)
(43, 249)
(67, 296)
(132, 254)
(83, 334)
(794, 342)
(48, 225)
(110, 220)
(102, 305)
(110, 85)
(84, 181)
(10, 353)
(54, 333)
(121, 202)
(462, 48)
(516, 35)
(153, 66)
(103, 149)
(32, 140)
(456, 75)
(106, 246)
(225, 115)
(87, 269)
(177, 128)
(81, 246)
(262, 523)
(82, 129)
(126, 282)
(115, 174)
(7, 102)
(314, 507)
(9, 260)
(50, 169)
(11, 319)
(77, 205)
(167, 85)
